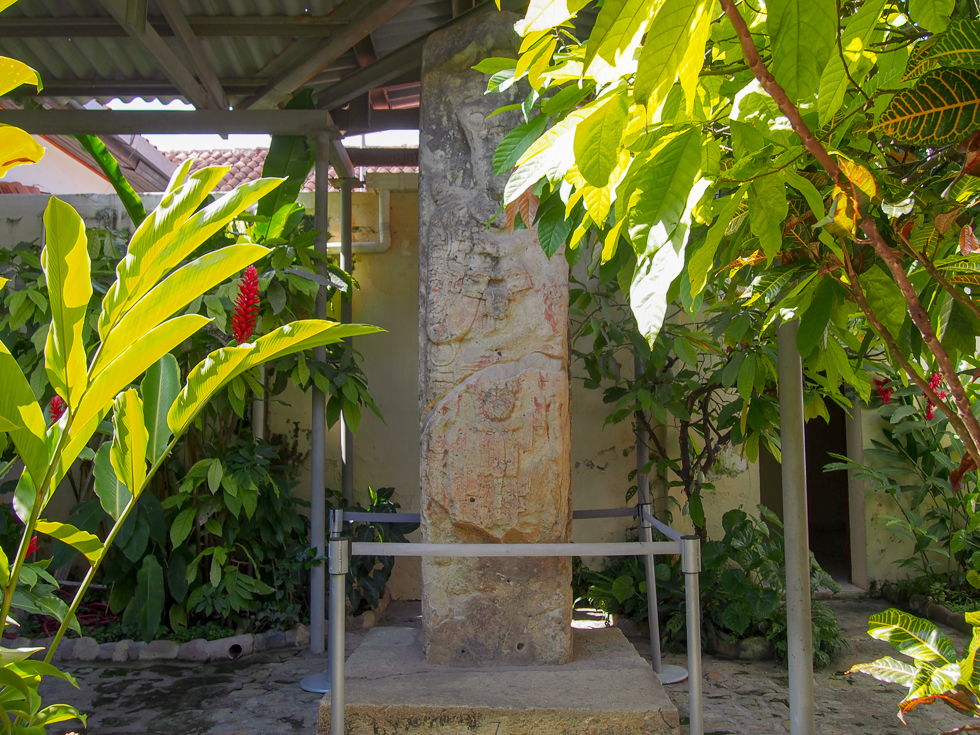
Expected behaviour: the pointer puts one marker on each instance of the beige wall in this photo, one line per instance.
(60, 173)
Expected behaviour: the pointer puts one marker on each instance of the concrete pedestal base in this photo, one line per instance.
(607, 688)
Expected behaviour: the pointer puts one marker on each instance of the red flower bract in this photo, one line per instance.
(56, 409)
(246, 306)
(885, 394)
(32, 546)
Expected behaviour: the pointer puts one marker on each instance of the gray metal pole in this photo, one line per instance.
(691, 566)
(856, 511)
(646, 534)
(318, 428)
(799, 632)
(339, 564)
(346, 317)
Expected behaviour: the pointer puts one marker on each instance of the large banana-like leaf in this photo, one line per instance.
(221, 366)
(175, 292)
(132, 363)
(112, 494)
(290, 156)
(129, 440)
(943, 107)
(110, 167)
(915, 637)
(17, 148)
(159, 388)
(15, 73)
(21, 415)
(154, 235)
(82, 541)
(67, 272)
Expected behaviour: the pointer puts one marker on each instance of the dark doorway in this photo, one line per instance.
(827, 499)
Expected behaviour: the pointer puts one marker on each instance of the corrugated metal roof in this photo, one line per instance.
(93, 66)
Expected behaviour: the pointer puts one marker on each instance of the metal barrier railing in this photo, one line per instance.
(341, 549)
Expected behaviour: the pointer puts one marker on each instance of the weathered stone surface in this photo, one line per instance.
(195, 650)
(607, 688)
(86, 649)
(493, 379)
(157, 650)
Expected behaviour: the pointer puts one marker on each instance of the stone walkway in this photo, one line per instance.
(260, 695)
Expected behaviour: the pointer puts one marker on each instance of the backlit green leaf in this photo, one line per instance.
(67, 273)
(912, 636)
(159, 388)
(128, 453)
(933, 15)
(22, 417)
(803, 34)
(616, 35)
(110, 167)
(598, 140)
(82, 541)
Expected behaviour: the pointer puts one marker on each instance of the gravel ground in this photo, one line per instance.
(259, 695)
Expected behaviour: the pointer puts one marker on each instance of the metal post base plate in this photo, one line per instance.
(320, 683)
(671, 674)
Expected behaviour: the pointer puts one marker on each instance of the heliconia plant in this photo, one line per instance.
(138, 326)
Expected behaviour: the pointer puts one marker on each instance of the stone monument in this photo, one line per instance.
(493, 377)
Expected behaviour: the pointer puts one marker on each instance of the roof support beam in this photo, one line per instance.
(203, 26)
(195, 122)
(129, 88)
(395, 64)
(132, 17)
(183, 31)
(365, 17)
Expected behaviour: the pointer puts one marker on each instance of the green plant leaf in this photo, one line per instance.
(110, 167)
(541, 15)
(516, 143)
(66, 267)
(289, 156)
(128, 452)
(149, 597)
(153, 237)
(889, 670)
(221, 366)
(885, 298)
(912, 636)
(768, 212)
(746, 377)
(175, 292)
(660, 193)
(133, 362)
(703, 260)
(160, 388)
(659, 62)
(170, 233)
(618, 30)
(22, 417)
(933, 15)
(943, 107)
(598, 140)
(112, 494)
(657, 269)
(813, 323)
(81, 541)
(958, 46)
(803, 34)
(182, 526)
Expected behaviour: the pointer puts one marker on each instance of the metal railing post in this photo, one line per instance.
(691, 566)
(339, 563)
(650, 562)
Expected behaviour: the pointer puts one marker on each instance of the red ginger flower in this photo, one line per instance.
(57, 408)
(246, 306)
(885, 394)
(32, 546)
(934, 383)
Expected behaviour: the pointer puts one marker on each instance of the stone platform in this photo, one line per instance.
(606, 688)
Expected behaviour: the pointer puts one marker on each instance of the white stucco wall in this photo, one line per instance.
(60, 173)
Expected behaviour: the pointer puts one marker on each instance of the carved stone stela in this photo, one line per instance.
(493, 383)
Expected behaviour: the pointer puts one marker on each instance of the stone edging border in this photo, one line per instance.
(927, 607)
(199, 650)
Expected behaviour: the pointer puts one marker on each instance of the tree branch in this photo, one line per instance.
(919, 315)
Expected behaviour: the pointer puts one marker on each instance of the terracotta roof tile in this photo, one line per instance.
(246, 165)
(15, 187)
